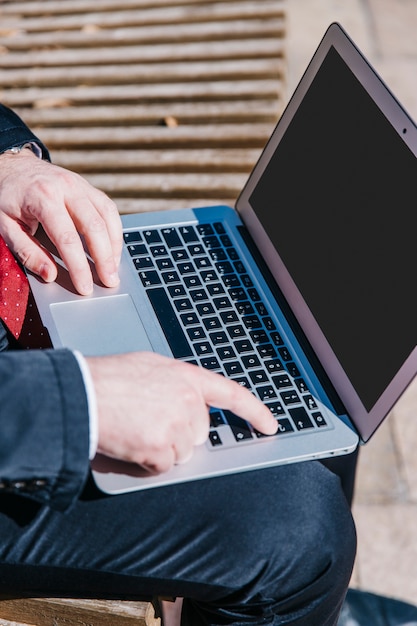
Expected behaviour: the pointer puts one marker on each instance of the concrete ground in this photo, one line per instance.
(385, 506)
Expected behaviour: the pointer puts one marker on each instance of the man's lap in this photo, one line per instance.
(265, 534)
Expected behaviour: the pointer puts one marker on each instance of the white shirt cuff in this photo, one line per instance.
(91, 401)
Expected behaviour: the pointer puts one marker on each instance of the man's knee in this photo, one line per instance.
(295, 549)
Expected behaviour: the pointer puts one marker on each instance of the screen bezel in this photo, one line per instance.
(365, 421)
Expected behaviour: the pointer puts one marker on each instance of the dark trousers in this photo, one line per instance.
(267, 547)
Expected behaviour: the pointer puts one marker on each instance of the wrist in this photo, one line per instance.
(25, 148)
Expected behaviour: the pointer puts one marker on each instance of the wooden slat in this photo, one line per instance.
(16, 39)
(153, 161)
(147, 15)
(221, 136)
(140, 54)
(184, 113)
(166, 72)
(57, 7)
(159, 102)
(65, 611)
(233, 91)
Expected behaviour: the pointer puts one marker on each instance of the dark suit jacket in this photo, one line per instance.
(44, 428)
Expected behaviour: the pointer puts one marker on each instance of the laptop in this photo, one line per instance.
(304, 292)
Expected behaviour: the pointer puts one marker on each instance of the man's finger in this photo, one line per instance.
(63, 234)
(29, 251)
(100, 224)
(227, 394)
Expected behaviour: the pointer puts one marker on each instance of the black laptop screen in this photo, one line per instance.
(339, 201)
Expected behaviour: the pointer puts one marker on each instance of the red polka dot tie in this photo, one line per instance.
(14, 290)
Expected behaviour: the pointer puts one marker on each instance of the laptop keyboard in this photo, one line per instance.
(213, 316)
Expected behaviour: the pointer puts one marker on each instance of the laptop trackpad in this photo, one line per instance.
(105, 325)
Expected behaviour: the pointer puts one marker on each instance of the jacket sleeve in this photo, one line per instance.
(14, 132)
(44, 426)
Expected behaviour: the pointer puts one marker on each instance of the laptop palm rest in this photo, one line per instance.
(107, 325)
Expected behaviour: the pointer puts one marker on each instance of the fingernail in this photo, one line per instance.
(86, 288)
(47, 273)
(113, 279)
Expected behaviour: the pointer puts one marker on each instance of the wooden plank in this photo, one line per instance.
(140, 54)
(216, 31)
(170, 185)
(164, 14)
(56, 7)
(259, 111)
(146, 73)
(159, 92)
(64, 611)
(157, 161)
(220, 136)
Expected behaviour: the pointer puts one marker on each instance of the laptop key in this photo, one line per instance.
(276, 408)
(170, 277)
(274, 365)
(143, 262)
(242, 381)
(219, 338)
(176, 291)
(158, 251)
(188, 234)
(149, 278)
(290, 397)
(171, 237)
(164, 264)
(233, 368)
(216, 419)
(203, 348)
(183, 304)
(282, 381)
(215, 289)
(226, 353)
(243, 345)
(250, 360)
(266, 393)
(196, 333)
(293, 369)
(284, 425)
(192, 281)
(132, 236)
(205, 229)
(214, 438)
(240, 428)
(152, 236)
(219, 228)
(258, 376)
(210, 363)
(179, 255)
(300, 418)
(137, 249)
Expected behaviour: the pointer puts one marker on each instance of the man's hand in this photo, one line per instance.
(153, 410)
(34, 192)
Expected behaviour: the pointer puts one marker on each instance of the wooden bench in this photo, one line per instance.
(162, 104)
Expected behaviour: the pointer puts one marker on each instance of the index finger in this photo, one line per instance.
(62, 232)
(223, 393)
